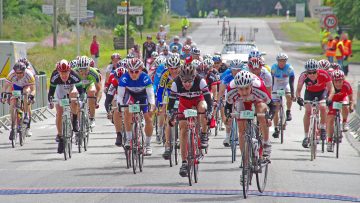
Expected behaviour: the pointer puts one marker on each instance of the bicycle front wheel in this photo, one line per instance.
(176, 144)
(64, 134)
(337, 135)
(141, 150)
(313, 142)
(190, 156)
(261, 175)
(282, 115)
(246, 169)
(233, 141)
(134, 150)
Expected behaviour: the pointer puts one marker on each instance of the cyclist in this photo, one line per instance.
(186, 53)
(64, 82)
(218, 64)
(148, 48)
(245, 91)
(211, 76)
(90, 80)
(236, 66)
(195, 54)
(176, 43)
(189, 81)
(258, 54)
(28, 65)
(163, 92)
(115, 58)
(189, 42)
(160, 47)
(318, 85)
(165, 52)
(283, 79)
(256, 67)
(22, 79)
(135, 86)
(185, 23)
(160, 68)
(343, 93)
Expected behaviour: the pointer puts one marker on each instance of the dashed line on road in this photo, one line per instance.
(172, 190)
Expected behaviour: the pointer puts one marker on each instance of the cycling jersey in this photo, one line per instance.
(184, 56)
(112, 82)
(159, 71)
(341, 95)
(223, 68)
(26, 80)
(179, 46)
(212, 79)
(160, 48)
(164, 87)
(148, 49)
(319, 84)
(138, 90)
(268, 68)
(64, 88)
(91, 79)
(281, 76)
(199, 89)
(266, 77)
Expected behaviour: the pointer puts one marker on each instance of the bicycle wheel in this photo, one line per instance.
(64, 134)
(190, 156)
(217, 122)
(313, 140)
(172, 147)
(134, 148)
(87, 134)
(261, 175)
(233, 141)
(15, 129)
(196, 159)
(246, 168)
(281, 123)
(141, 150)
(81, 133)
(176, 143)
(21, 130)
(337, 135)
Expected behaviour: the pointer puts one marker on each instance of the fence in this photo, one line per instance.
(355, 120)
(38, 108)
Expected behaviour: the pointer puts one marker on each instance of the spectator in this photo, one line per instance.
(347, 52)
(339, 51)
(330, 49)
(161, 34)
(177, 44)
(94, 50)
(148, 48)
(160, 46)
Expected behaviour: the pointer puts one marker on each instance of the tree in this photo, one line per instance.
(348, 13)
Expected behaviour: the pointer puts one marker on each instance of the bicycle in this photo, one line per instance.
(19, 127)
(253, 161)
(67, 131)
(234, 139)
(174, 141)
(218, 118)
(137, 146)
(282, 120)
(314, 127)
(84, 131)
(337, 129)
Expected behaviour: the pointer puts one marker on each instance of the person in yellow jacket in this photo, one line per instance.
(347, 52)
(339, 52)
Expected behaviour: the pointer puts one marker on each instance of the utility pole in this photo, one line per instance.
(1, 17)
(127, 27)
(54, 25)
(78, 27)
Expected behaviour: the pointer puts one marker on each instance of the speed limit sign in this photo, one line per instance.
(330, 21)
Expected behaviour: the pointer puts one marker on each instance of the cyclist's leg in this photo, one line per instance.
(330, 124)
(345, 113)
(91, 92)
(241, 132)
(161, 118)
(26, 91)
(276, 100)
(59, 113)
(306, 119)
(201, 108)
(117, 118)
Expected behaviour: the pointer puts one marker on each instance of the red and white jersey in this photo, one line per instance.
(258, 93)
(317, 85)
(341, 94)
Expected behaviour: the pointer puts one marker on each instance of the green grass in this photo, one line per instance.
(310, 50)
(44, 58)
(307, 31)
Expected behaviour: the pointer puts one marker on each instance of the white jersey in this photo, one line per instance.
(266, 77)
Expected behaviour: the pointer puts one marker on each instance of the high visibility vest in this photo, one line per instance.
(338, 52)
(347, 47)
(330, 44)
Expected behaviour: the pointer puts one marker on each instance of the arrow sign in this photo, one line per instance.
(278, 7)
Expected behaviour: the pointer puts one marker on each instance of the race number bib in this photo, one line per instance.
(134, 108)
(337, 105)
(16, 93)
(190, 113)
(247, 115)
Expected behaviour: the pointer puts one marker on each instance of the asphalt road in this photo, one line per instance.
(99, 175)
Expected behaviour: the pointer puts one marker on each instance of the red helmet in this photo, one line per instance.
(336, 66)
(63, 66)
(120, 71)
(338, 74)
(324, 64)
(255, 63)
(92, 62)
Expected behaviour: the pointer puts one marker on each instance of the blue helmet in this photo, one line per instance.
(216, 58)
(254, 54)
(236, 64)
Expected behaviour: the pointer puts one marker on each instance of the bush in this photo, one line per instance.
(119, 30)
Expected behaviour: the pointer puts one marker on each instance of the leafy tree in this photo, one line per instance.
(348, 13)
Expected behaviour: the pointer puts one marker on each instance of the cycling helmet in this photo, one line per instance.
(159, 60)
(120, 71)
(207, 56)
(335, 66)
(187, 72)
(243, 79)
(216, 58)
(166, 47)
(324, 64)
(311, 65)
(254, 54)
(195, 63)
(115, 56)
(174, 48)
(176, 54)
(338, 75)
(19, 66)
(195, 51)
(236, 64)
(134, 64)
(84, 62)
(208, 62)
(24, 61)
(173, 62)
(205, 67)
(92, 62)
(154, 54)
(123, 63)
(73, 63)
(63, 66)
(255, 63)
(130, 56)
(282, 56)
(187, 47)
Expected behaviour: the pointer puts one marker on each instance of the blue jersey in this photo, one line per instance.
(227, 76)
(225, 73)
(282, 75)
(179, 46)
(135, 87)
(158, 73)
(164, 87)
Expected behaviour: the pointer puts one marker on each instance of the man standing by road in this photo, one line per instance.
(185, 23)
(347, 52)
(94, 50)
(161, 35)
(148, 48)
(339, 51)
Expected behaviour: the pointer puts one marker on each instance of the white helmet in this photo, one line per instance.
(159, 60)
(311, 65)
(282, 56)
(84, 62)
(324, 64)
(243, 79)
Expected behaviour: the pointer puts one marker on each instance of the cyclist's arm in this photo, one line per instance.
(207, 96)
(331, 96)
(150, 94)
(120, 95)
(172, 97)
(291, 83)
(222, 89)
(329, 88)
(300, 85)
(51, 91)
(32, 89)
(6, 87)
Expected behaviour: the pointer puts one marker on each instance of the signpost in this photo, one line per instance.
(47, 9)
(330, 21)
(300, 12)
(278, 7)
(133, 10)
(140, 23)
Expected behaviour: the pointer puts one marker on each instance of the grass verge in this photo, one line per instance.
(307, 31)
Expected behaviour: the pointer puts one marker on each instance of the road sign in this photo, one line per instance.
(139, 20)
(322, 10)
(82, 8)
(133, 10)
(278, 6)
(47, 9)
(330, 21)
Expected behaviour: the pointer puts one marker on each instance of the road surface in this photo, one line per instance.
(99, 175)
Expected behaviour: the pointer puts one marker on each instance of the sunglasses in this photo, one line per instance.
(19, 73)
(173, 68)
(188, 81)
(217, 62)
(311, 72)
(134, 71)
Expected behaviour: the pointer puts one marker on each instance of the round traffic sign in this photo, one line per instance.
(330, 21)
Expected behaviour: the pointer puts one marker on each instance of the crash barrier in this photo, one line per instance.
(354, 123)
(39, 108)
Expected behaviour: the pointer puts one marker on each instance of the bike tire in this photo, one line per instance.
(81, 132)
(281, 124)
(65, 131)
(190, 157)
(172, 147)
(233, 141)
(313, 141)
(261, 178)
(70, 144)
(337, 138)
(246, 169)
(134, 155)
(176, 149)
(217, 122)
(141, 151)
(196, 159)
(87, 134)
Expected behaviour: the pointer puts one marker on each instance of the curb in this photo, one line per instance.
(353, 142)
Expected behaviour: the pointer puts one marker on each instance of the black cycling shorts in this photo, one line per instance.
(310, 96)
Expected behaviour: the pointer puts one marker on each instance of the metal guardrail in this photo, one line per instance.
(39, 108)
(354, 123)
